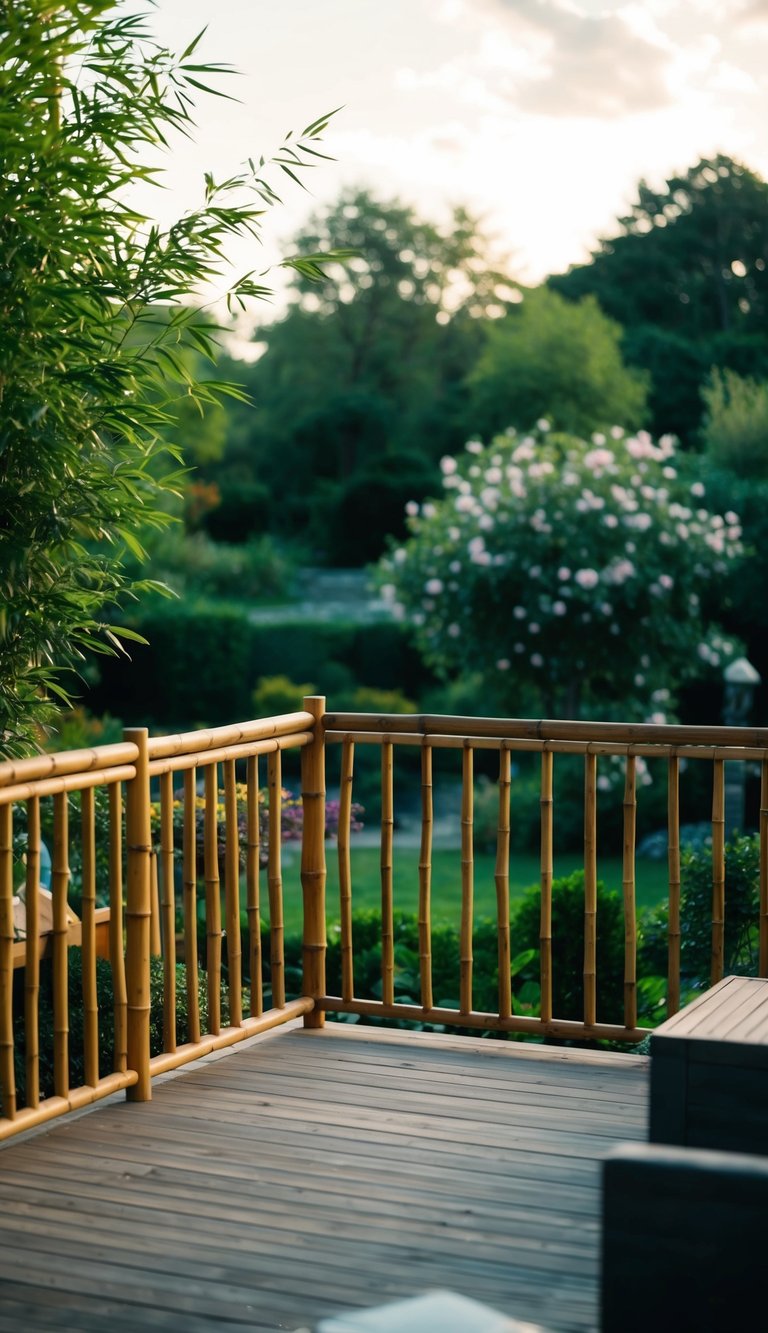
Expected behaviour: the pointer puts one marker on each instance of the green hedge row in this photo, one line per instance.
(203, 661)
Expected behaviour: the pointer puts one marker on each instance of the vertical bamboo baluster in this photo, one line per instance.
(138, 908)
(764, 869)
(155, 942)
(90, 999)
(7, 1072)
(545, 928)
(467, 879)
(718, 871)
(387, 900)
(425, 878)
(275, 878)
(168, 912)
(212, 898)
(252, 872)
(32, 953)
(590, 889)
(502, 884)
(59, 887)
(116, 946)
(345, 868)
(232, 897)
(189, 892)
(313, 873)
(673, 839)
(628, 884)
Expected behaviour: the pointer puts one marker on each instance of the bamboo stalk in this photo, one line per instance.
(168, 912)
(7, 1072)
(70, 782)
(545, 929)
(32, 954)
(673, 836)
(313, 873)
(239, 733)
(90, 998)
(590, 889)
(529, 745)
(65, 763)
(467, 880)
(425, 878)
(252, 874)
(189, 893)
(764, 868)
(116, 944)
(387, 900)
(502, 884)
(59, 888)
(275, 880)
(212, 898)
(345, 869)
(718, 871)
(53, 1107)
(232, 897)
(628, 885)
(138, 907)
(155, 942)
(203, 758)
(250, 1027)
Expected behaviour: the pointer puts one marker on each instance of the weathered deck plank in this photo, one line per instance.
(318, 1171)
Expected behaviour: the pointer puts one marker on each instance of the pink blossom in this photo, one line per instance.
(587, 578)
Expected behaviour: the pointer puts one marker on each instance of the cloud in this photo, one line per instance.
(604, 66)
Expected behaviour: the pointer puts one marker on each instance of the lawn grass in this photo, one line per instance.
(446, 881)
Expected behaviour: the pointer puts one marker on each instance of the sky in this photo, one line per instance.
(539, 115)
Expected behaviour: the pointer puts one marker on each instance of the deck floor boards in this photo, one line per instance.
(316, 1172)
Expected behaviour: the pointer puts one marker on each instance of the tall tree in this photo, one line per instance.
(687, 277)
(89, 371)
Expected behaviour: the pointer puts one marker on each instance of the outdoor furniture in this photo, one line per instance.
(709, 1070)
(683, 1240)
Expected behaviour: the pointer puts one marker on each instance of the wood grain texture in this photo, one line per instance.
(322, 1171)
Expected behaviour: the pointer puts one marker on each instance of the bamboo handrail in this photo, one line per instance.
(232, 896)
(212, 897)
(523, 1023)
(275, 881)
(88, 926)
(590, 889)
(7, 1071)
(629, 893)
(526, 745)
(189, 893)
(425, 879)
(116, 946)
(168, 912)
(502, 885)
(71, 782)
(19, 772)
(546, 729)
(674, 932)
(467, 881)
(387, 901)
(204, 758)
(252, 877)
(313, 872)
(194, 742)
(718, 871)
(545, 928)
(345, 869)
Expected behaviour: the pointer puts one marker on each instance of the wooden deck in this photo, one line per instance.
(316, 1172)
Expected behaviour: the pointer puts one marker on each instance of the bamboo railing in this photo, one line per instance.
(167, 831)
(673, 744)
(148, 917)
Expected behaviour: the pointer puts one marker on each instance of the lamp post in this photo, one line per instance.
(741, 681)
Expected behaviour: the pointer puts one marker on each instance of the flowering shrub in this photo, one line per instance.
(573, 566)
(291, 822)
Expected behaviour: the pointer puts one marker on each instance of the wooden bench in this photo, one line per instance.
(709, 1070)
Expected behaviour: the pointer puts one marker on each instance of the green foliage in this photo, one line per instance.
(96, 315)
(278, 694)
(568, 947)
(193, 565)
(549, 557)
(556, 359)
(742, 911)
(735, 429)
(687, 278)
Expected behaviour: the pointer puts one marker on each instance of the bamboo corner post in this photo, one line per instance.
(138, 913)
(313, 871)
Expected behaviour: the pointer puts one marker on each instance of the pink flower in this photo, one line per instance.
(587, 578)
